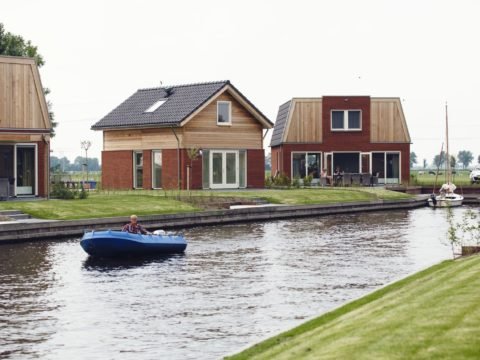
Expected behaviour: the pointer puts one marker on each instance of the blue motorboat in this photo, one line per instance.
(118, 243)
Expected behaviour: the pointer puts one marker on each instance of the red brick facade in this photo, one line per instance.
(341, 141)
(255, 168)
(117, 172)
(117, 169)
(43, 170)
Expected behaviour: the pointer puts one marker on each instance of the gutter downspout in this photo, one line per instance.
(178, 157)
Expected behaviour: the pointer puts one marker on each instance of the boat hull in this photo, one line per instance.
(120, 244)
(448, 201)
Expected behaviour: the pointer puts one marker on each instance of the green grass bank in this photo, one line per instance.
(434, 314)
(153, 202)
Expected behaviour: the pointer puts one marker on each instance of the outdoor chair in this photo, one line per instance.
(356, 179)
(347, 179)
(366, 179)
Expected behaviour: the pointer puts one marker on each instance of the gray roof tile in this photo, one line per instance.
(182, 100)
(280, 124)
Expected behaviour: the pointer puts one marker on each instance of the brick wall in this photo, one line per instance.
(43, 171)
(169, 168)
(334, 138)
(255, 168)
(286, 153)
(147, 169)
(117, 169)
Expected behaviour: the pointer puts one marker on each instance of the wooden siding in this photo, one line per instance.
(8, 137)
(304, 124)
(387, 121)
(22, 103)
(141, 139)
(202, 131)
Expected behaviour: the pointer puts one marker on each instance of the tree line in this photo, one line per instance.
(63, 164)
(464, 158)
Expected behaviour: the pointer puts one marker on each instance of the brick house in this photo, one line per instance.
(24, 129)
(357, 134)
(196, 136)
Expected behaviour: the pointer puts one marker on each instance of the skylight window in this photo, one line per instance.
(155, 106)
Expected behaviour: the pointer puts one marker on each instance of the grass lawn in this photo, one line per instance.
(461, 178)
(98, 206)
(149, 202)
(434, 314)
(325, 195)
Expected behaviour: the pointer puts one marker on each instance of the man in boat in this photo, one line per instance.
(134, 227)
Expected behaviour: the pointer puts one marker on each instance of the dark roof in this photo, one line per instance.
(280, 124)
(181, 101)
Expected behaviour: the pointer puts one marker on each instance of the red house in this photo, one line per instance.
(357, 134)
(195, 136)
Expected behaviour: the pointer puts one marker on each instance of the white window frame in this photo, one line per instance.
(306, 158)
(224, 184)
(153, 167)
(229, 123)
(35, 146)
(385, 164)
(345, 120)
(369, 162)
(135, 152)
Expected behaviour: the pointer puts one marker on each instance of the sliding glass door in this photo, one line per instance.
(224, 169)
(26, 170)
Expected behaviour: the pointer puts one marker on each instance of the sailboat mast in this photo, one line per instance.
(448, 152)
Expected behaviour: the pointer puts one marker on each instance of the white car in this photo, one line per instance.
(475, 176)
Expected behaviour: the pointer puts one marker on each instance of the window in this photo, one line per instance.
(157, 169)
(138, 169)
(306, 164)
(155, 106)
(344, 120)
(224, 113)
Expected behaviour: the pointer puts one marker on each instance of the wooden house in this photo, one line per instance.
(196, 136)
(355, 134)
(24, 129)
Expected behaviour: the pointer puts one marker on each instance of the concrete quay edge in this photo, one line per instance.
(18, 232)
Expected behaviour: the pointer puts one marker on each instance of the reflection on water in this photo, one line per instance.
(236, 284)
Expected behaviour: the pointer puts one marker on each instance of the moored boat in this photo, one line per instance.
(118, 244)
(447, 196)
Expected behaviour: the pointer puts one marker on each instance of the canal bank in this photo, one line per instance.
(431, 314)
(18, 232)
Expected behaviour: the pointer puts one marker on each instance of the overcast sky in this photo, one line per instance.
(99, 52)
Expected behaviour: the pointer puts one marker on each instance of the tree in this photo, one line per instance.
(439, 159)
(78, 164)
(478, 159)
(453, 161)
(425, 164)
(465, 157)
(413, 159)
(16, 45)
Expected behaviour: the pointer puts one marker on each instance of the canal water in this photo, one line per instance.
(235, 285)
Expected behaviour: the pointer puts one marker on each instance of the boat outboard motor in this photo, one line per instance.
(434, 200)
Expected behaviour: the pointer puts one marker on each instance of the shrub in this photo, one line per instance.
(59, 191)
(83, 194)
(268, 182)
(296, 182)
(307, 180)
(282, 180)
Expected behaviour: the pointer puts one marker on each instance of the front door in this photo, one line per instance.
(224, 169)
(25, 160)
